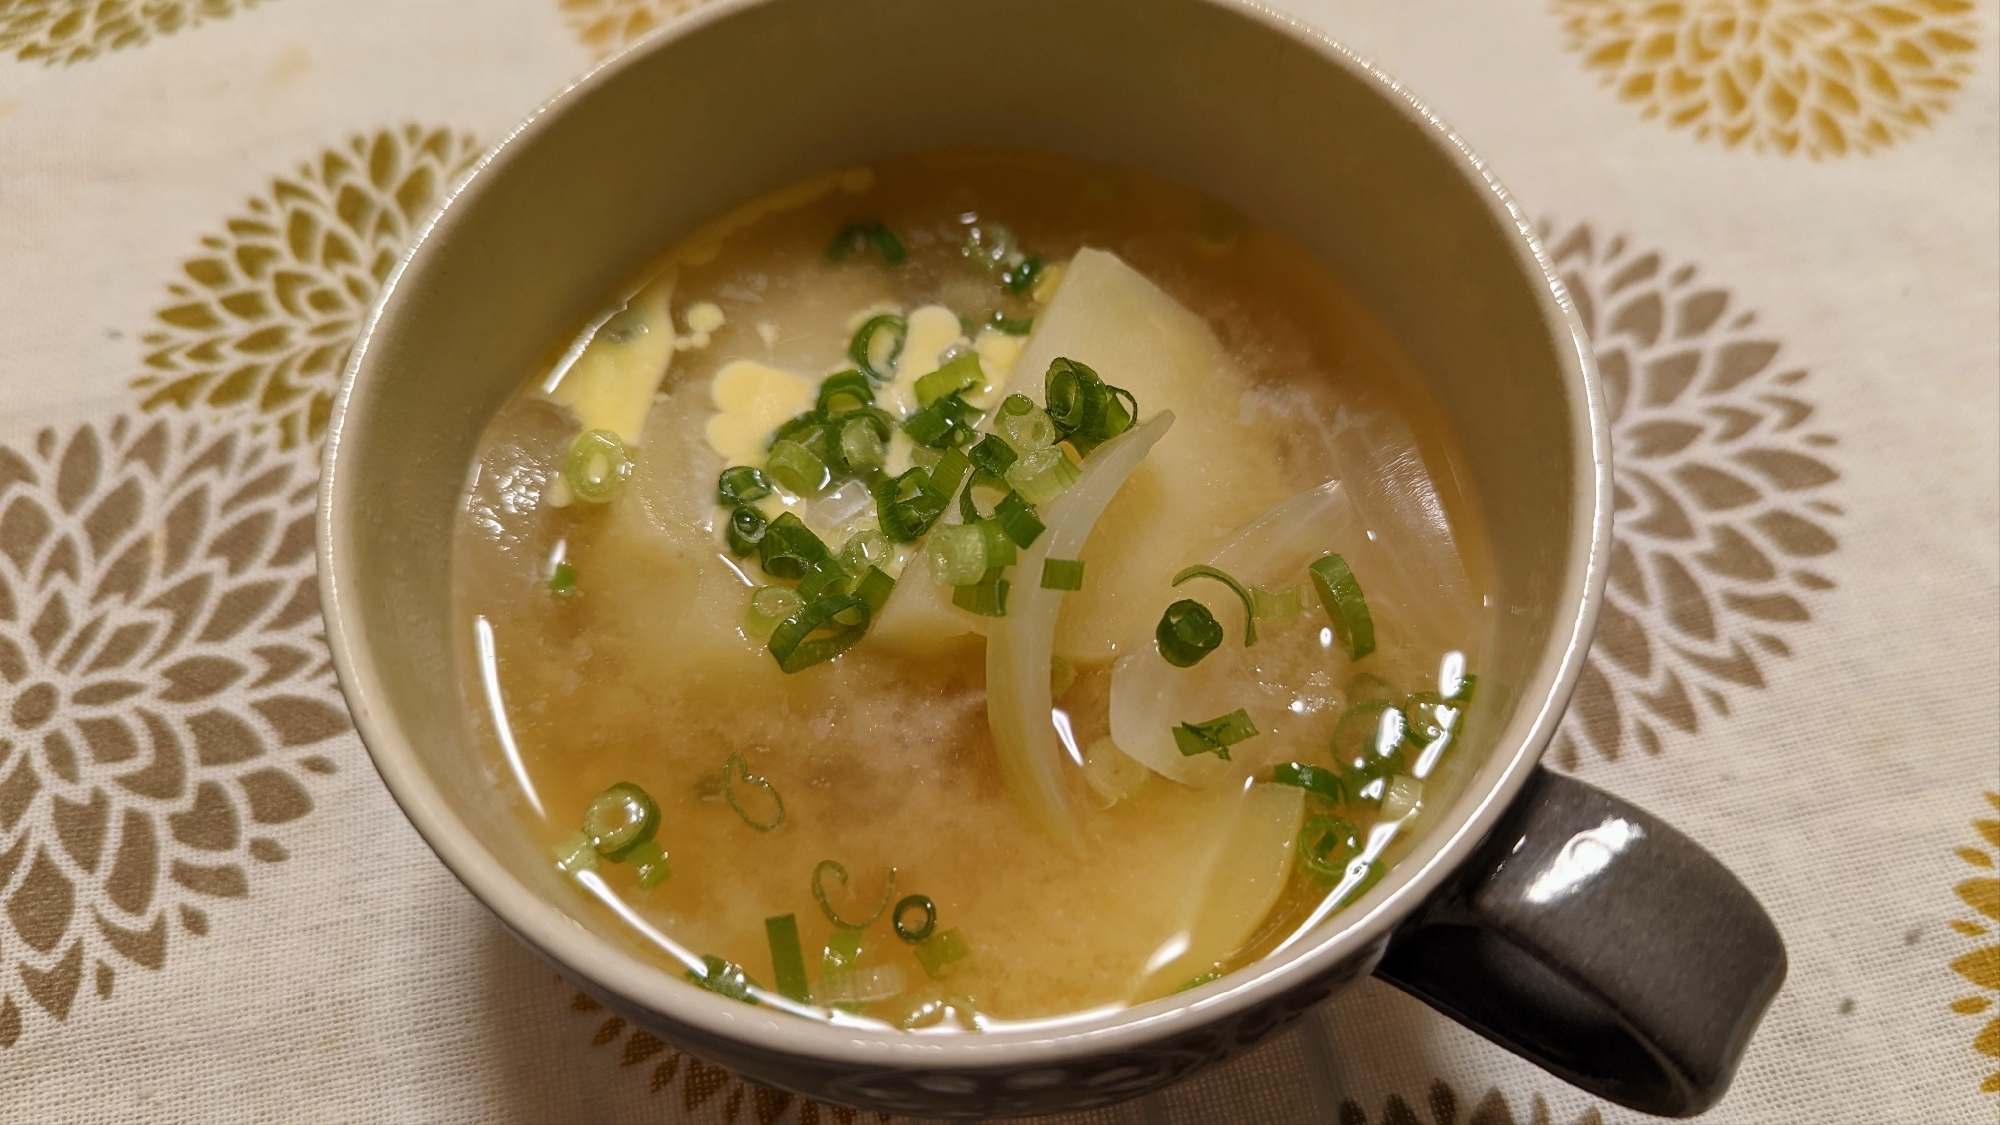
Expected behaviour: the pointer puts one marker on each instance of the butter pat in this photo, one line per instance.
(751, 401)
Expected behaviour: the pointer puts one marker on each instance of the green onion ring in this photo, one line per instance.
(740, 484)
(1315, 832)
(741, 766)
(581, 469)
(793, 645)
(864, 340)
(920, 902)
(840, 872)
(620, 819)
(1340, 593)
(1186, 633)
(1249, 607)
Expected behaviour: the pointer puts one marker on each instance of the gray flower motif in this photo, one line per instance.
(1722, 499)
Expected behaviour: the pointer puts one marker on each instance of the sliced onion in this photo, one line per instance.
(1019, 646)
(1272, 681)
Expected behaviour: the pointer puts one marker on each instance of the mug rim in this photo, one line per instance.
(605, 967)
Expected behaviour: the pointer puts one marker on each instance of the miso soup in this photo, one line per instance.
(971, 589)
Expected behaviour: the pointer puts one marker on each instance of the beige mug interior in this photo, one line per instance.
(745, 97)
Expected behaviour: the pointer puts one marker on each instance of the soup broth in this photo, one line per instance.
(946, 774)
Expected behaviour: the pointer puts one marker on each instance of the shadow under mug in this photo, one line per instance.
(1571, 928)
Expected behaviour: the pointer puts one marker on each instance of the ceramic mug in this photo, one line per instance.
(1554, 919)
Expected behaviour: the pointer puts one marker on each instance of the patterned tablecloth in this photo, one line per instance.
(1780, 218)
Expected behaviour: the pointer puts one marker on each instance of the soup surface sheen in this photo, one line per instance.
(1081, 848)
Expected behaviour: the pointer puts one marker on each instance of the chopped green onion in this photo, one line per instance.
(1018, 519)
(1369, 731)
(1313, 779)
(982, 480)
(909, 903)
(1325, 845)
(987, 598)
(993, 454)
(598, 463)
(575, 853)
(1086, 410)
(1020, 277)
(855, 238)
(823, 579)
(1367, 686)
(1454, 682)
(1338, 591)
(864, 443)
(874, 589)
(562, 579)
(957, 554)
(961, 374)
(946, 422)
(819, 893)
(1371, 872)
(1404, 796)
(908, 505)
(1025, 425)
(844, 391)
(788, 957)
(1428, 716)
(821, 631)
(808, 429)
(853, 990)
(1012, 326)
(1043, 474)
(1000, 550)
(991, 246)
(797, 468)
(736, 767)
(1215, 736)
(649, 863)
(843, 945)
(937, 952)
(950, 472)
(1187, 632)
(1209, 977)
(1283, 605)
(789, 548)
(745, 531)
(1249, 607)
(864, 549)
(620, 819)
(1062, 574)
(722, 977)
(878, 345)
(741, 484)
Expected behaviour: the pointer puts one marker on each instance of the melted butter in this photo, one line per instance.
(610, 386)
(751, 401)
(997, 353)
(933, 328)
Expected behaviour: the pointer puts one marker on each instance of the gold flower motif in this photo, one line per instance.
(70, 31)
(1720, 498)
(270, 309)
(607, 25)
(1982, 965)
(1443, 1103)
(162, 678)
(1824, 76)
(701, 1082)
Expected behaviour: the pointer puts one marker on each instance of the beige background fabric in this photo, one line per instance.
(1781, 216)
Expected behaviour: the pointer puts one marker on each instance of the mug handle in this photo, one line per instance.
(1596, 942)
